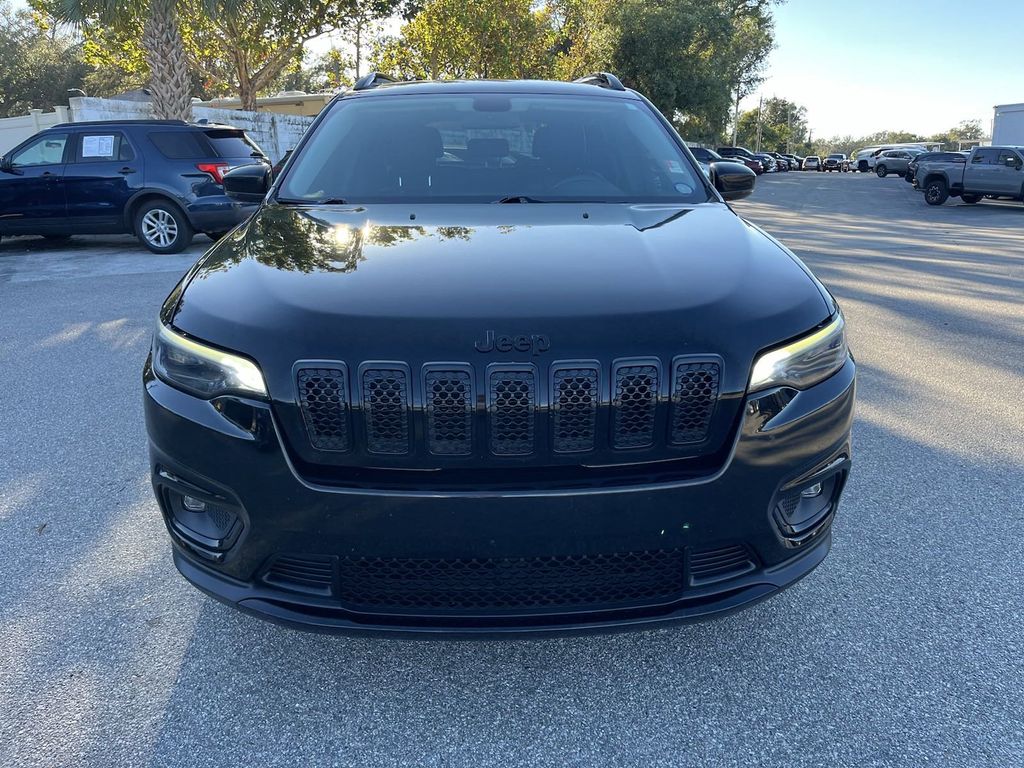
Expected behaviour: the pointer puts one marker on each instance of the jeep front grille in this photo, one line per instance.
(453, 410)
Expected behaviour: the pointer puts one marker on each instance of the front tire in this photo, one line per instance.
(971, 199)
(936, 192)
(882, 171)
(162, 227)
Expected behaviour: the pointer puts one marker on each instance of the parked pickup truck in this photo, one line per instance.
(995, 171)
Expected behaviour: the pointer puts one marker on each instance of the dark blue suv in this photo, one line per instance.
(158, 179)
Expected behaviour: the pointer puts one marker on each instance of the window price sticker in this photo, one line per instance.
(97, 146)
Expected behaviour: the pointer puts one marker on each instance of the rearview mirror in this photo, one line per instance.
(733, 181)
(248, 183)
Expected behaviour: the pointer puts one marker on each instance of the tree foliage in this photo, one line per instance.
(688, 56)
(39, 61)
(453, 39)
(783, 125)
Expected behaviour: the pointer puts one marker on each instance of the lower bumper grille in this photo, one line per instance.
(511, 583)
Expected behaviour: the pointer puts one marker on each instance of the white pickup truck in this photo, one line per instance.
(989, 171)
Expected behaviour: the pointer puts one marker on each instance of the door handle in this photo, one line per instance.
(46, 173)
(126, 170)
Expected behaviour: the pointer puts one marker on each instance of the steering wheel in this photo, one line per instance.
(587, 177)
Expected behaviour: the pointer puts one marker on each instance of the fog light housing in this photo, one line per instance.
(802, 510)
(192, 504)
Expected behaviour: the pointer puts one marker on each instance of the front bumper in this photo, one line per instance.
(631, 556)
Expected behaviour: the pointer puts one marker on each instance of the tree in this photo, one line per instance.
(241, 45)
(452, 39)
(161, 40)
(39, 61)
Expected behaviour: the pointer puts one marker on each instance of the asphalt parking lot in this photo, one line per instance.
(904, 648)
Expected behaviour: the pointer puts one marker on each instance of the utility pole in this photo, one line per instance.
(789, 124)
(736, 116)
(760, 103)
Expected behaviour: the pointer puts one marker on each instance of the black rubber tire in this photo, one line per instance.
(907, 177)
(862, 166)
(936, 192)
(881, 171)
(166, 211)
(971, 199)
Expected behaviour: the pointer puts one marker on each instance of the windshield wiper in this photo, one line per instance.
(518, 199)
(323, 201)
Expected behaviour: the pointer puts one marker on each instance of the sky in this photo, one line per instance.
(862, 66)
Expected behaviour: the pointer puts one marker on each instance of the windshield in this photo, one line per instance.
(491, 147)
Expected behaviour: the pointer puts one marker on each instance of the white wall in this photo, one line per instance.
(14, 130)
(275, 133)
(1008, 124)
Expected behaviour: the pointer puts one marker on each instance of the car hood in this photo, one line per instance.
(426, 283)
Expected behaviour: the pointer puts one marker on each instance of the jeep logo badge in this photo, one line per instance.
(535, 343)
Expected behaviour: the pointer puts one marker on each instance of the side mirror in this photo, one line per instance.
(733, 180)
(6, 165)
(1013, 162)
(248, 183)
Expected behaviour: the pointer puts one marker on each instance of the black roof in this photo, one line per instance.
(112, 123)
(489, 86)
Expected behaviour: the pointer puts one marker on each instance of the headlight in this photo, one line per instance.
(201, 370)
(804, 362)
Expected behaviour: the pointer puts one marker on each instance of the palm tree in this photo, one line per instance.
(161, 37)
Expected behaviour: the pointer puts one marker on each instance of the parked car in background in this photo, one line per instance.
(742, 155)
(796, 162)
(161, 180)
(861, 159)
(781, 161)
(987, 172)
(939, 157)
(767, 162)
(837, 161)
(895, 161)
(812, 163)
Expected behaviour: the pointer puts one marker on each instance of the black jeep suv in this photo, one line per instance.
(161, 180)
(496, 357)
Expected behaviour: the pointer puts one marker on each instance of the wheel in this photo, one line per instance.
(971, 199)
(882, 171)
(936, 192)
(162, 227)
(908, 177)
(57, 238)
(862, 166)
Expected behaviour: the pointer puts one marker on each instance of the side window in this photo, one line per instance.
(179, 145)
(1006, 155)
(985, 157)
(46, 150)
(103, 147)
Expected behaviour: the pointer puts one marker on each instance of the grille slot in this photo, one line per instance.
(449, 408)
(711, 565)
(694, 396)
(386, 409)
(575, 393)
(323, 400)
(511, 405)
(510, 583)
(635, 403)
(312, 574)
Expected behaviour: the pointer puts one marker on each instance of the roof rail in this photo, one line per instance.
(602, 80)
(90, 123)
(371, 80)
